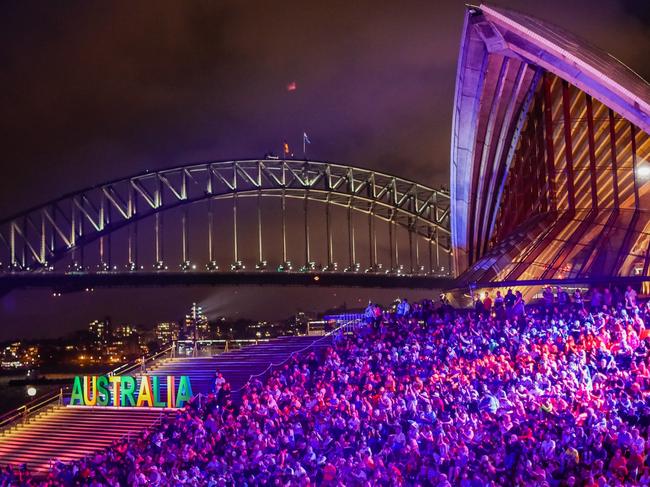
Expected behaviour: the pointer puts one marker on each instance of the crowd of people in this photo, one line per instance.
(553, 394)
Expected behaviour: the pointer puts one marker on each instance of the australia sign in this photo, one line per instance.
(126, 391)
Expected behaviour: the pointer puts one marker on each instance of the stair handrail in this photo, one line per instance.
(25, 411)
(227, 342)
(346, 327)
(139, 362)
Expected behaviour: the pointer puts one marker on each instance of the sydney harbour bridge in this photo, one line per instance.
(234, 222)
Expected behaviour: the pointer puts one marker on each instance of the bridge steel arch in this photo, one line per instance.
(36, 239)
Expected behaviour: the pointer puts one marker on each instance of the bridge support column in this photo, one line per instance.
(261, 263)
(104, 253)
(410, 230)
(418, 267)
(235, 241)
(372, 239)
(306, 215)
(437, 249)
(158, 229)
(396, 244)
(133, 246)
(351, 243)
(185, 239)
(390, 242)
(43, 240)
(284, 227)
(73, 238)
(25, 249)
(430, 245)
(212, 259)
(328, 231)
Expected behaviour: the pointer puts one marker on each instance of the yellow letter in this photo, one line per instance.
(115, 380)
(88, 401)
(144, 395)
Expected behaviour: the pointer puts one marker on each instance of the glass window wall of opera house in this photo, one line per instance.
(550, 175)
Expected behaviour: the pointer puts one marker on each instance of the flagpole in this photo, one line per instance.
(304, 145)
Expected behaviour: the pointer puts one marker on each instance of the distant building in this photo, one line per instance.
(17, 355)
(197, 326)
(125, 331)
(167, 331)
(100, 330)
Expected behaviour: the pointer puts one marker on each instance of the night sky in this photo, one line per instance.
(91, 91)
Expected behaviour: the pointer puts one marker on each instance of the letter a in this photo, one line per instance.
(77, 396)
(144, 395)
(184, 391)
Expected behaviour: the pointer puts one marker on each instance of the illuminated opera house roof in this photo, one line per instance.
(550, 156)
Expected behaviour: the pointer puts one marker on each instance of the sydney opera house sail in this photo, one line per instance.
(550, 156)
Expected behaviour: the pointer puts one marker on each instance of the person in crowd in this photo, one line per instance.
(403, 308)
(578, 301)
(596, 300)
(553, 398)
(487, 302)
(562, 298)
(369, 313)
(219, 382)
(499, 306)
(607, 298)
(509, 300)
(519, 308)
(617, 296)
(478, 305)
(548, 297)
(630, 297)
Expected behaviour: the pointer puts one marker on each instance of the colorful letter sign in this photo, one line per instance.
(127, 391)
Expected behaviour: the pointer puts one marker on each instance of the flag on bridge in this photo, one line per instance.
(305, 141)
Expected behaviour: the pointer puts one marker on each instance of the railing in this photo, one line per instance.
(348, 327)
(194, 345)
(141, 363)
(24, 412)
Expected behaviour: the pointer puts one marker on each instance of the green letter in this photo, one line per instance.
(103, 396)
(77, 392)
(184, 391)
(128, 388)
(157, 403)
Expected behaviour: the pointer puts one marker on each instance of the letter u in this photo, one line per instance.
(88, 388)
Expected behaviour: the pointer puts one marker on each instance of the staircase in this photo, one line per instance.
(69, 433)
(236, 366)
